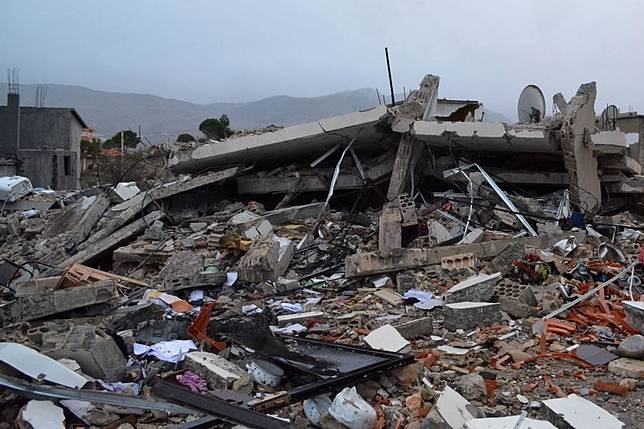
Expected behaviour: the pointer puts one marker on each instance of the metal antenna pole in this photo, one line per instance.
(391, 84)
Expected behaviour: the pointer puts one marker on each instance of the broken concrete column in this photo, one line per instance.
(400, 172)
(48, 302)
(389, 229)
(580, 161)
(470, 315)
(478, 288)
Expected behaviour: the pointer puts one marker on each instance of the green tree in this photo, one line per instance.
(130, 139)
(185, 138)
(90, 147)
(216, 128)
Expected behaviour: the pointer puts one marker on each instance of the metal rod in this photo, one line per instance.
(391, 84)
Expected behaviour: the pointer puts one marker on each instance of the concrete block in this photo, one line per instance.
(470, 315)
(421, 327)
(405, 282)
(217, 371)
(517, 300)
(627, 367)
(267, 259)
(458, 262)
(95, 351)
(407, 209)
(474, 236)
(283, 285)
(503, 261)
(478, 288)
(635, 314)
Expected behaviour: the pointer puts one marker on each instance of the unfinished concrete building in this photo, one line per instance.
(42, 142)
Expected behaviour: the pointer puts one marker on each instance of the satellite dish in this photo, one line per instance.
(608, 119)
(532, 105)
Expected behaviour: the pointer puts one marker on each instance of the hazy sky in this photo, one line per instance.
(241, 50)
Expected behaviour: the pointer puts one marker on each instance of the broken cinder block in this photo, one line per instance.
(458, 262)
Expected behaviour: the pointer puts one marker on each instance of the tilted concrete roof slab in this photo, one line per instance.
(294, 142)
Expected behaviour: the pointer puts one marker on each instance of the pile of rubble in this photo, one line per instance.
(451, 304)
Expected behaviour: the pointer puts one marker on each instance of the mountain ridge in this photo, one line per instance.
(163, 118)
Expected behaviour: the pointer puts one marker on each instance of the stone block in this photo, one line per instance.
(478, 288)
(627, 367)
(470, 315)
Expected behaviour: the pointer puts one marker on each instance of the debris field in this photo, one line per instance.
(407, 266)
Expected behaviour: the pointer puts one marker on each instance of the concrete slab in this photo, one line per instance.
(453, 408)
(485, 136)
(386, 338)
(576, 412)
(38, 366)
(312, 138)
(509, 422)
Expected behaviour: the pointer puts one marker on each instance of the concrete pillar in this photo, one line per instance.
(13, 124)
(578, 124)
(400, 172)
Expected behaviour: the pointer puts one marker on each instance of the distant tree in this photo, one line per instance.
(91, 147)
(130, 139)
(216, 128)
(185, 138)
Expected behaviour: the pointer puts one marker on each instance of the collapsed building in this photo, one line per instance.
(401, 266)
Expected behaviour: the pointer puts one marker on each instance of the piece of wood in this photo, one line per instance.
(79, 274)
